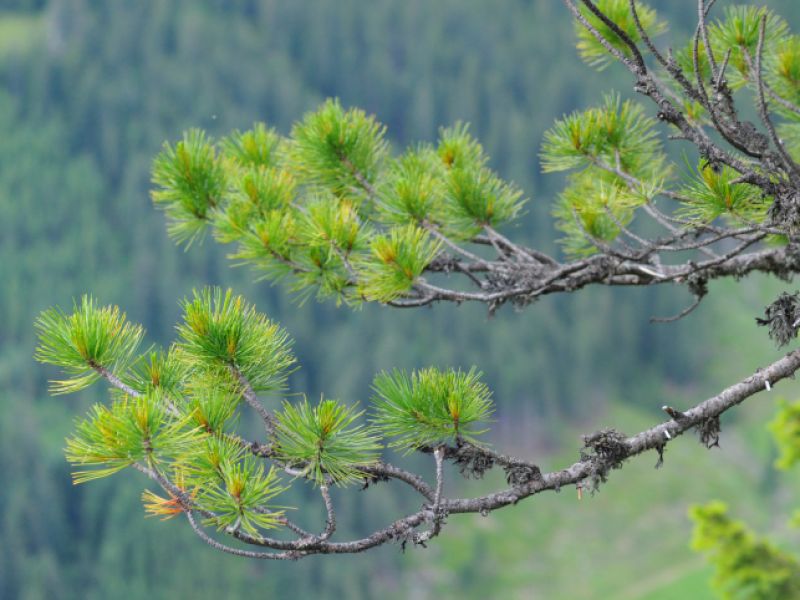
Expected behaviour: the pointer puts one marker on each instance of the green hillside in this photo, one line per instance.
(89, 91)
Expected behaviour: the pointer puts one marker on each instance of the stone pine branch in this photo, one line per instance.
(603, 452)
(330, 211)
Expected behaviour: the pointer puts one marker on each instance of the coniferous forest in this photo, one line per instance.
(89, 93)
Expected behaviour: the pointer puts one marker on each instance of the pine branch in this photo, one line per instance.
(249, 395)
(334, 214)
(603, 451)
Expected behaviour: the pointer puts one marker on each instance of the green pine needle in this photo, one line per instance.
(395, 262)
(472, 196)
(269, 244)
(241, 496)
(618, 11)
(783, 74)
(160, 370)
(85, 341)
(457, 148)
(592, 208)
(712, 193)
(207, 460)
(329, 221)
(338, 149)
(259, 194)
(130, 430)
(430, 407)
(477, 197)
(790, 135)
(211, 409)
(323, 209)
(684, 57)
(413, 189)
(257, 147)
(323, 442)
(191, 181)
(222, 331)
(617, 133)
(738, 31)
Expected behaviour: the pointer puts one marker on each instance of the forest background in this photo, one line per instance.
(89, 91)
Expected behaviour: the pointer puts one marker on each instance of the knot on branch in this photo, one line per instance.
(709, 430)
(750, 137)
(519, 475)
(415, 537)
(785, 210)
(723, 103)
(603, 451)
(374, 479)
(697, 284)
(497, 281)
(472, 462)
(783, 318)
(443, 263)
(440, 515)
(791, 262)
(514, 277)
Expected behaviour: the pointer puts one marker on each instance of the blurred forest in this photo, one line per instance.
(89, 91)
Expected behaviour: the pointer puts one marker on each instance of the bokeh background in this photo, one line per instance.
(89, 91)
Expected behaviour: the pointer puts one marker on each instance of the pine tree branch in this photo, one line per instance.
(791, 107)
(646, 85)
(249, 395)
(384, 469)
(291, 555)
(606, 451)
(763, 112)
(120, 385)
(114, 380)
(604, 269)
(650, 439)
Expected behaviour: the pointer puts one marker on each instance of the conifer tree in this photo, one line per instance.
(332, 211)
